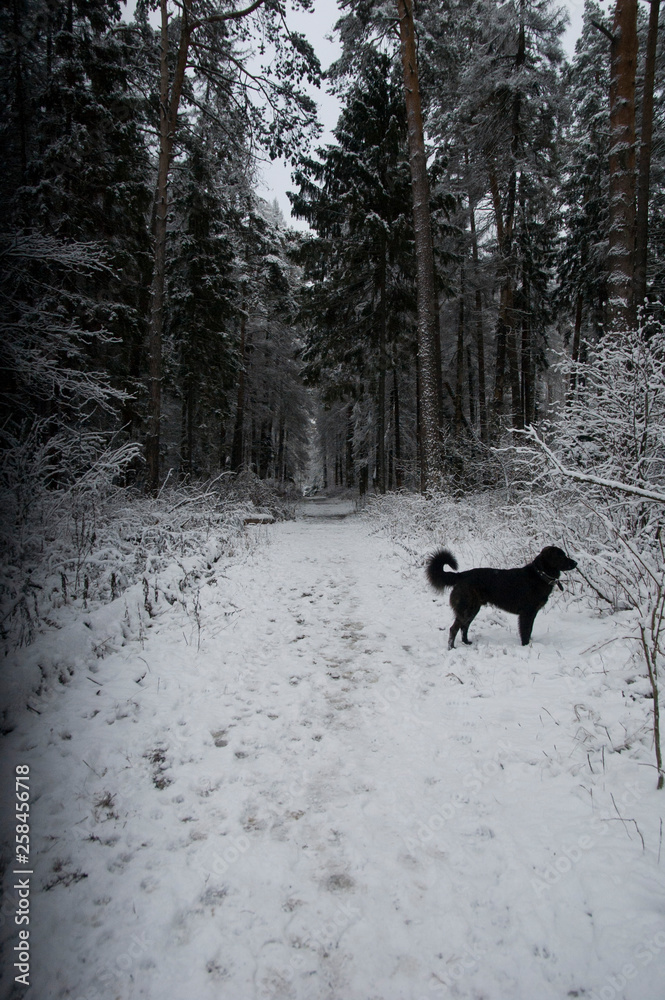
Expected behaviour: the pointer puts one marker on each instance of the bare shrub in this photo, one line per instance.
(602, 481)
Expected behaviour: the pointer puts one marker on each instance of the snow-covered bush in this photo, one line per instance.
(268, 496)
(84, 542)
(598, 469)
(601, 478)
(485, 524)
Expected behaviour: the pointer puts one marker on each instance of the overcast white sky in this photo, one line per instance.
(317, 27)
(275, 178)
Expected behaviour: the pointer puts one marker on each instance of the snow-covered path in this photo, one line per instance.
(291, 789)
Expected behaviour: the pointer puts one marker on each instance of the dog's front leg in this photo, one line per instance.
(525, 621)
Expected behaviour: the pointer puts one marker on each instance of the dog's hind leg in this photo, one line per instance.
(466, 609)
(465, 633)
(458, 625)
(455, 627)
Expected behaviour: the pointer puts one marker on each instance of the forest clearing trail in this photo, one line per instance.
(293, 790)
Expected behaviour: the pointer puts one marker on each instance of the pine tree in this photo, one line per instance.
(217, 38)
(622, 165)
(359, 268)
(583, 266)
(200, 296)
(267, 431)
(645, 155)
(78, 166)
(494, 108)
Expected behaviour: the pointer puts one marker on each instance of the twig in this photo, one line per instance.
(624, 821)
(653, 678)
(583, 477)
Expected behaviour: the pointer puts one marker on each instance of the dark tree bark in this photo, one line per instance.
(505, 224)
(480, 341)
(642, 218)
(505, 316)
(528, 366)
(237, 449)
(156, 320)
(188, 416)
(623, 58)
(350, 467)
(459, 379)
(471, 390)
(381, 394)
(169, 103)
(429, 397)
(18, 82)
(399, 474)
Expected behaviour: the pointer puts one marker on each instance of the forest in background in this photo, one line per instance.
(156, 306)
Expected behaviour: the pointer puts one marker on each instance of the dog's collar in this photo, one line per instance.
(551, 580)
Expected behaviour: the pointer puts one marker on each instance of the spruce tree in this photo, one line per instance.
(360, 267)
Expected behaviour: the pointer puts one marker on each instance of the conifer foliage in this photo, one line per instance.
(87, 245)
(534, 173)
(151, 298)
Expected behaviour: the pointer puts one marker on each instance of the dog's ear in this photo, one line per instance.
(550, 560)
(556, 559)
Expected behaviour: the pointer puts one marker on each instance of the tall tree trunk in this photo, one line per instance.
(505, 313)
(472, 395)
(459, 380)
(642, 218)
(18, 81)
(350, 468)
(381, 394)
(419, 424)
(575, 348)
(528, 367)
(238, 431)
(429, 397)
(513, 359)
(506, 337)
(480, 341)
(223, 450)
(190, 410)
(281, 452)
(399, 474)
(623, 57)
(156, 321)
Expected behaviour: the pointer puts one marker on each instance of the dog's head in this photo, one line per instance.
(554, 560)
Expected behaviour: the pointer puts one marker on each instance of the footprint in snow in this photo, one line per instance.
(339, 882)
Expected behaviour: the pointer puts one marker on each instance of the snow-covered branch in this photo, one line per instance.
(584, 477)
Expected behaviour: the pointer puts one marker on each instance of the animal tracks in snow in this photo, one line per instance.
(310, 798)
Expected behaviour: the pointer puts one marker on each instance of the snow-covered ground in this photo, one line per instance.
(285, 786)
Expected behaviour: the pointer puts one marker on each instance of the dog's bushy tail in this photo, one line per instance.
(436, 574)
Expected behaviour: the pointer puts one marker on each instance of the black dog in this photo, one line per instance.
(522, 591)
